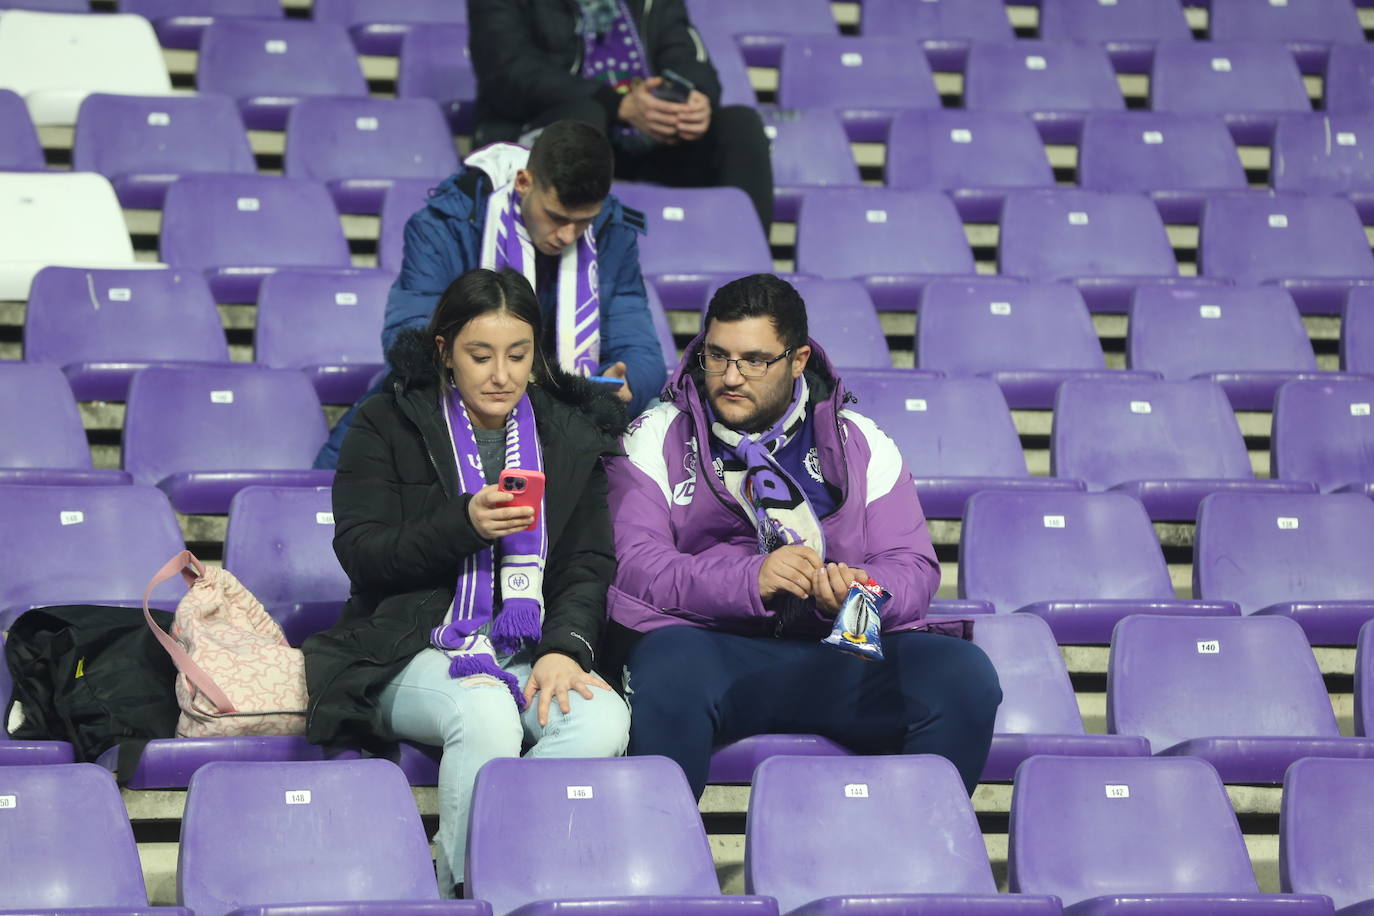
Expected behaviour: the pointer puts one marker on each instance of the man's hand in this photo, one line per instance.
(830, 585)
(552, 677)
(695, 119)
(492, 518)
(654, 117)
(788, 569)
(618, 371)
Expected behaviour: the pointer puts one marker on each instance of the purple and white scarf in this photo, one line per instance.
(463, 635)
(613, 52)
(506, 243)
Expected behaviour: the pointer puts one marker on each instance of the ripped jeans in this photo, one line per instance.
(475, 720)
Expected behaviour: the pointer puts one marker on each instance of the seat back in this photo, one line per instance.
(57, 218)
(1325, 845)
(1322, 432)
(39, 416)
(1319, 20)
(809, 147)
(853, 232)
(1324, 153)
(1037, 696)
(435, 63)
(1135, 20)
(1253, 238)
(119, 135)
(1052, 235)
(330, 139)
(843, 72)
(244, 58)
(19, 147)
(947, 150)
(403, 200)
(1041, 76)
(971, 20)
(357, 12)
(691, 229)
(1357, 331)
(1157, 151)
(324, 317)
(280, 544)
(1349, 83)
(1219, 77)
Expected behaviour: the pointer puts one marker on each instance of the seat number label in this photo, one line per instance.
(298, 797)
(221, 397)
(1359, 409)
(345, 298)
(916, 405)
(1000, 308)
(1054, 521)
(71, 518)
(1287, 523)
(1209, 311)
(1118, 791)
(1141, 407)
(1208, 647)
(580, 792)
(9, 801)
(324, 518)
(856, 790)
(961, 135)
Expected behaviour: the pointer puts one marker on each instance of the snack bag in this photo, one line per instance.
(858, 626)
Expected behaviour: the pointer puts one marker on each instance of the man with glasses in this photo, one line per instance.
(745, 507)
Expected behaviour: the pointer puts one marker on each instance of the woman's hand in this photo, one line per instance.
(553, 676)
(492, 518)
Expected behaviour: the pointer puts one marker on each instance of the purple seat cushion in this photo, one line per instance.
(1326, 623)
(933, 904)
(19, 752)
(354, 908)
(342, 383)
(944, 497)
(1008, 750)
(1091, 620)
(735, 763)
(1203, 904)
(1177, 500)
(649, 903)
(1034, 389)
(959, 607)
(167, 763)
(1264, 758)
(209, 492)
(64, 477)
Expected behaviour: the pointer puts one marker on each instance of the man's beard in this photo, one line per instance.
(766, 413)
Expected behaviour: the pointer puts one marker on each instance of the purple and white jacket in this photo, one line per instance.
(687, 554)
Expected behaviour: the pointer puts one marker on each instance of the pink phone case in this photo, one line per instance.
(527, 487)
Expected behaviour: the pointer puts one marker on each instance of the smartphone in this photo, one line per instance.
(674, 88)
(607, 380)
(526, 486)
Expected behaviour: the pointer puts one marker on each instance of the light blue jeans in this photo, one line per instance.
(475, 720)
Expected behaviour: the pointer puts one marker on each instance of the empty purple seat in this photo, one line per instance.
(1248, 339)
(1324, 843)
(894, 241)
(1106, 243)
(1057, 83)
(1039, 712)
(25, 751)
(102, 326)
(180, 23)
(169, 763)
(696, 238)
(762, 27)
(270, 65)
(809, 149)
(1166, 443)
(435, 64)
(973, 156)
(866, 79)
(121, 535)
(403, 199)
(726, 56)
(1293, 555)
(44, 442)
(1025, 336)
(1134, 835)
(201, 435)
(1357, 331)
(144, 143)
(945, 28)
(735, 763)
(239, 228)
(1314, 247)
(1364, 682)
(1307, 27)
(955, 434)
(1015, 550)
(19, 147)
(295, 833)
(1178, 159)
(843, 322)
(381, 31)
(1250, 84)
(633, 857)
(358, 146)
(324, 323)
(1326, 154)
(917, 842)
(1322, 433)
(1349, 83)
(1128, 30)
(1243, 693)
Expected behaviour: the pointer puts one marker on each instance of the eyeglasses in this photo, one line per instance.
(749, 367)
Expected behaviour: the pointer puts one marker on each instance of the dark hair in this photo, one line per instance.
(762, 296)
(575, 159)
(479, 292)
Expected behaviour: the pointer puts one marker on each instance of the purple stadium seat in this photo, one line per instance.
(1322, 433)
(1349, 83)
(736, 762)
(1307, 27)
(916, 839)
(180, 23)
(1243, 693)
(1324, 844)
(358, 146)
(1250, 84)
(435, 64)
(973, 156)
(299, 832)
(1248, 339)
(102, 326)
(1166, 443)
(1106, 243)
(1025, 336)
(1128, 30)
(381, 31)
(144, 143)
(25, 751)
(402, 200)
(809, 149)
(239, 228)
(945, 28)
(169, 763)
(842, 322)
(1178, 159)
(726, 56)
(324, 323)
(633, 857)
(1293, 555)
(44, 442)
(1315, 247)
(1013, 550)
(1039, 713)
(1357, 331)
(662, 329)
(201, 435)
(268, 66)
(1326, 154)
(1057, 83)
(48, 6)
(121, 536)
(894, 241)
(696, 238)
(1364, 682)
(19, 147)
(866, 79)
(762, 27)
(955, 434)
(1134, 835)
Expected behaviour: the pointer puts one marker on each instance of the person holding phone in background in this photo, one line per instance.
(478, 595)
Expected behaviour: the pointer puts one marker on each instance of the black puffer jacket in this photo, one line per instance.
(401, 529)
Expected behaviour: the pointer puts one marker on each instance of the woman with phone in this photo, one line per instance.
(478, 593)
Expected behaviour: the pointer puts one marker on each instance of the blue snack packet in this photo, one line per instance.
(858, 625)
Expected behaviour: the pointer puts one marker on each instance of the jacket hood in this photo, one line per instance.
(820, 373)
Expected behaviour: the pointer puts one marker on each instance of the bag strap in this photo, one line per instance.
(202, 681)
